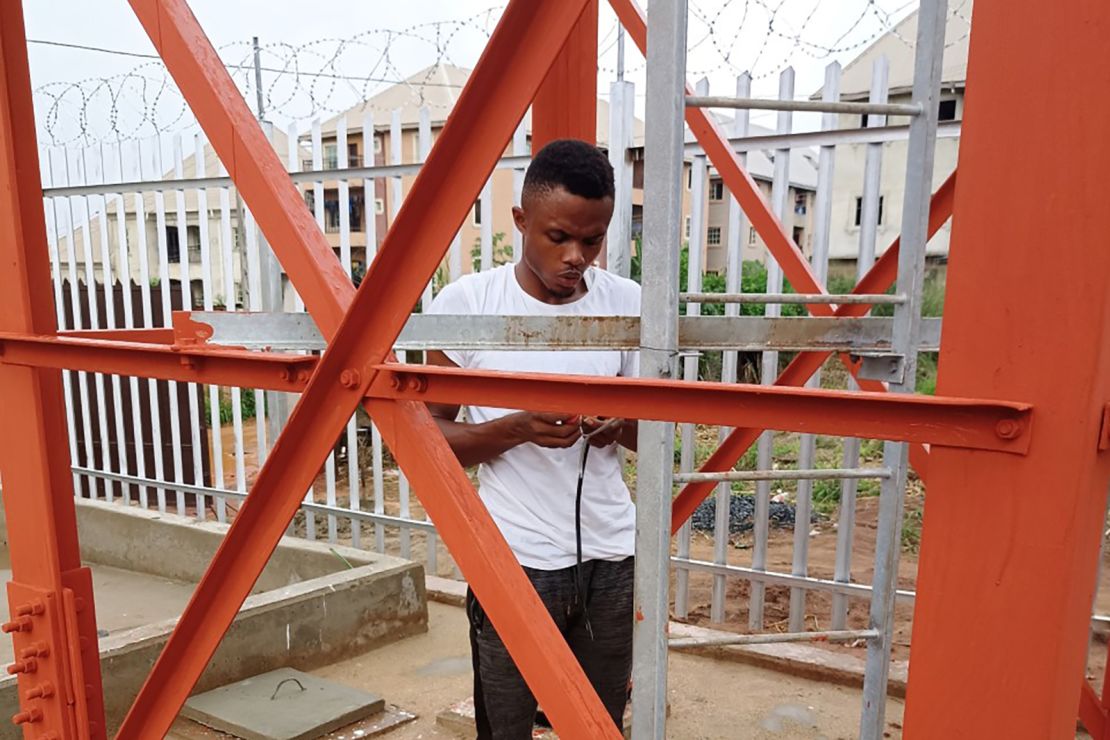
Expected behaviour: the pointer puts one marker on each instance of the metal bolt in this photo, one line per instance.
(350, 379)
(284, 374)
(34, 714)
(23, 666)
(302, 376)
(397, 381)
(1007, 429)
(35, 608)
(22, 624)
(38, 650)
(42, 691)
(417, 383)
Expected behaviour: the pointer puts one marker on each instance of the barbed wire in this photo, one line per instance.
(324, 77)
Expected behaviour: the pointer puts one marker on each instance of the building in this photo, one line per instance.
(155, 226)
(855, 85)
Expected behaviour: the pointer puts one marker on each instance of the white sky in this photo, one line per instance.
(725, 37)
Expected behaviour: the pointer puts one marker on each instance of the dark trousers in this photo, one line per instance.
(503, 704)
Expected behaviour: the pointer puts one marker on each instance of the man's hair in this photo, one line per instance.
(577, 167)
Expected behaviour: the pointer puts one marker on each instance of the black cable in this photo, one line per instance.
(579, 585)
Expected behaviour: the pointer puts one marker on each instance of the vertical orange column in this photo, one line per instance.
(50, 596)
(566, 105)
(1010, 544)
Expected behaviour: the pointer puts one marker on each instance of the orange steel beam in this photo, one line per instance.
(49, 595)
(802, 368)
(1015, 541)
(566, 104)
(992, 425)
(505, 80)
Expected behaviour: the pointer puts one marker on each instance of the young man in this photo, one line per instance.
(530, 462)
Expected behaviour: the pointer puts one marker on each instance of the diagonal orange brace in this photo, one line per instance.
(506, 78)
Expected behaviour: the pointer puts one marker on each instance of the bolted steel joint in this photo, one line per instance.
(350, 379)
(1008, 429)
(417, 383)
(38, 650)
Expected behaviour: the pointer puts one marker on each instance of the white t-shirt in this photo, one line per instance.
(530, 490)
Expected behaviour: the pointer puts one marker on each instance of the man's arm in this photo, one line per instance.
(479, 443)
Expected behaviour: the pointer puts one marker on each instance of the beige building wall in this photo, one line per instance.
(848, 186)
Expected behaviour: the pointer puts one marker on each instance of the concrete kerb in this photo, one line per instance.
(315, 603)
(794, 659)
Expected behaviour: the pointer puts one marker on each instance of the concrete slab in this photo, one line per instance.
(285, 704)
(459, 719)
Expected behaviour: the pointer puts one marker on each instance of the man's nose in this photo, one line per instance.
(575, 255)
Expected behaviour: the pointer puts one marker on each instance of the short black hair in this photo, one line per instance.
(572, 164)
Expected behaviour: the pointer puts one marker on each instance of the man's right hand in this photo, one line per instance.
(547, 430)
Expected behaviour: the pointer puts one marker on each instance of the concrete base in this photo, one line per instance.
(281, 705)
(319, 603)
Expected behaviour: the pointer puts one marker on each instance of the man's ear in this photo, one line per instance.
(519, 218)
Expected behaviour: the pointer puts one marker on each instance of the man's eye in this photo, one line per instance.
(557, 236)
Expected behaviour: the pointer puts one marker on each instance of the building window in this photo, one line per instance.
(713, 235)
(331, 156)
(716, 189)
(859, 210)
(799, 237)
(863, 121)
(800, 204)
(310, 200)
(357, 207)
(689, 178)
(353, 158)
(947, 110)
(331, 212)
(478, 212)
(687, 227)
(379, 206)
(751, 235)
(377, 144)
(173, 246)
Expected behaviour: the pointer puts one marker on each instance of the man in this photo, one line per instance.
(529, 474)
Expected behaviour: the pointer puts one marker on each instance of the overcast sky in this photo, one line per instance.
(725, 37)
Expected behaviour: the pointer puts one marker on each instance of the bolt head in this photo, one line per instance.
(1007, 429)
(350, 379)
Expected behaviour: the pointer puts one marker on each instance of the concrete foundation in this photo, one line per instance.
(314, 604)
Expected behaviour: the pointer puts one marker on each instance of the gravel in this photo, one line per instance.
(741, 514)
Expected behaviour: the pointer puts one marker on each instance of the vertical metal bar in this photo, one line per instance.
(622, 104)
(921, 150)
(82, 167)
(53, 237)
(485, 230)
(353, 473)
(148, 322)
(191, 389)
(183, 282)
(424, 146)
(734, 272)
(520, 149)
(404, 493)
(666, 76)
(396, 133)
(129, 323)
(695, 241)
(231, 301)
(206, 277)
(293, 162)
(108, 277)
(261, 109)
(780, 190)
(869, 217)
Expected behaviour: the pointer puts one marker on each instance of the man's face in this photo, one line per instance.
(563, 235)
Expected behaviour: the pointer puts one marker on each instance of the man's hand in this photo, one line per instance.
(547, 430)
(610, 434)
